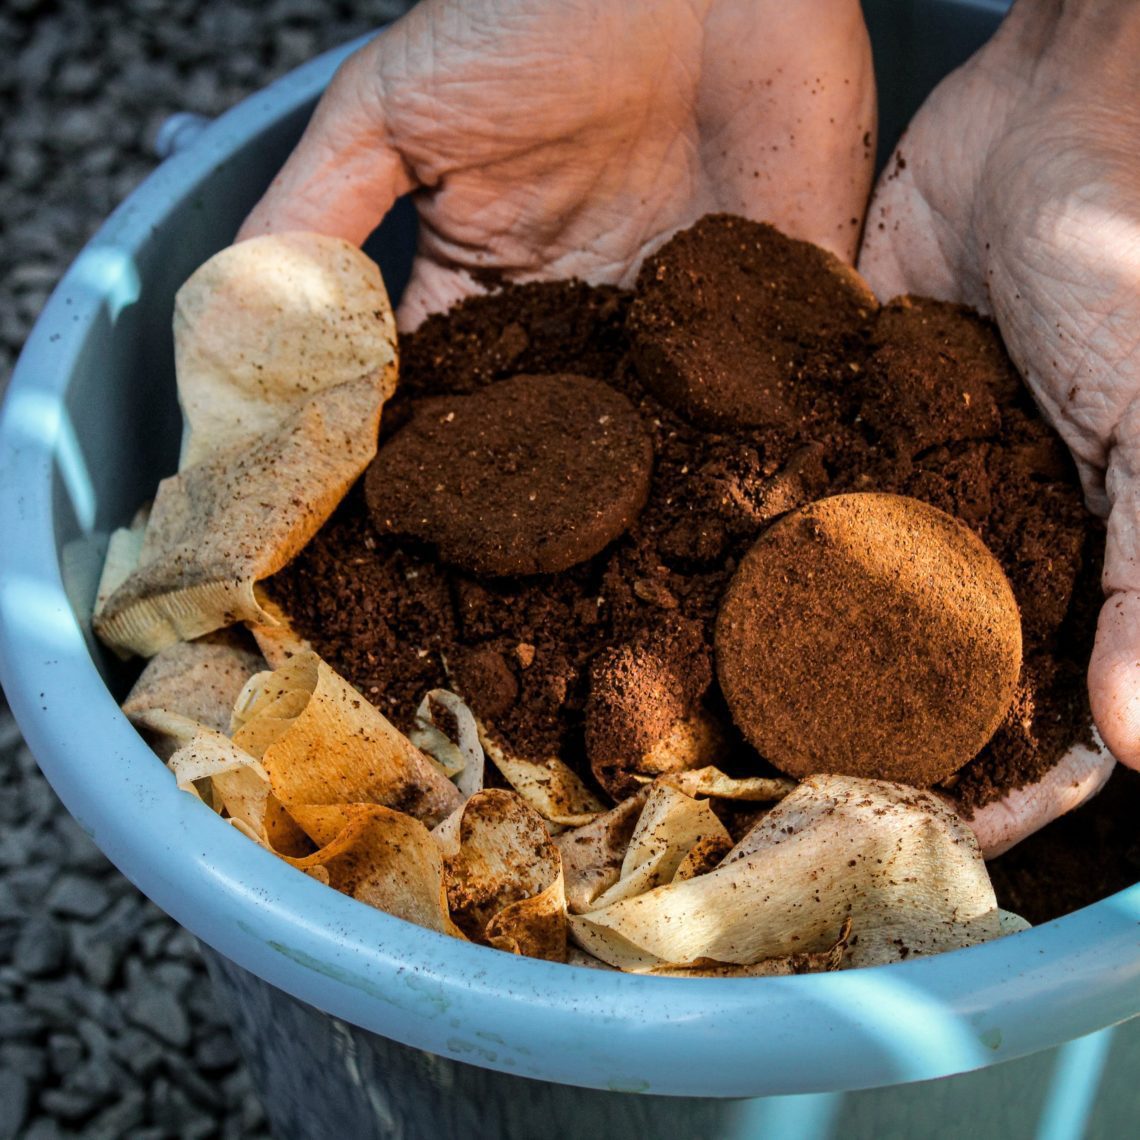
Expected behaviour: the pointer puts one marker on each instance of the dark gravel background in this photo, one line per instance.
(108, 1027)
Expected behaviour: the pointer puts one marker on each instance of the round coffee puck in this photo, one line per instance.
(869, 635)
(529, 475)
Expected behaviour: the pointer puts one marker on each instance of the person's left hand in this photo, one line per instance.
(1016, 190)
(548, 140)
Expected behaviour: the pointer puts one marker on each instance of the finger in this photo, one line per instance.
(344, 175)
(1114, 671)
(1114, 676)
(1075, 778)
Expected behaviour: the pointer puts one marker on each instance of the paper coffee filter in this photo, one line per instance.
(505, 875)
(338, 748)
(383, 858)
(812, 962)
(266, 324)
(895, 860)
(669, 827)
(190, 685)
(711, 781)
(549, 785)
(461, 758)
(594, 854)
(238, 784)
(285, 351)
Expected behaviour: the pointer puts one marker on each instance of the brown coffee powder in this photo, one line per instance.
(918, 399)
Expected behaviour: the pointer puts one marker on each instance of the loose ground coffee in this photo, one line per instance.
(917, 398)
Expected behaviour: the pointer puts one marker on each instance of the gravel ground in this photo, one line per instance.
(107, 1023)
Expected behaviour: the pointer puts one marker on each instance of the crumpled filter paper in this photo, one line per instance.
(839, 872)
(191, 685)
(321, 742)
(505, 885)
(313, 772)
(285, 351)
(895, 861)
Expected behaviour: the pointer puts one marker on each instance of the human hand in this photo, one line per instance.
(1016, 189)
(554, 140)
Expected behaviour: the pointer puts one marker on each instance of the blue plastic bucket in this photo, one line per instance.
(359, 1024)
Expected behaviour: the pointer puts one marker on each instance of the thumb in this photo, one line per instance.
(1114, 671)
(343, 175)
(1114, 676)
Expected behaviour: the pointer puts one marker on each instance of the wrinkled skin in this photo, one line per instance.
(572, 138)
(1020, 195)
(548, 140)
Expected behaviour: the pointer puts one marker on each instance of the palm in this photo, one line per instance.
(1018, 194)
(571, 139)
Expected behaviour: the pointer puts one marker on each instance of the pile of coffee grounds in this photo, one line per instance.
(916, 398)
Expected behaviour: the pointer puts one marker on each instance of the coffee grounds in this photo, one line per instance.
(644, 692)
(558, 465)
(386, 614)
(869, 635)
(760, 305)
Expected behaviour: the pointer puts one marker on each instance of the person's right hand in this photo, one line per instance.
(564, 139)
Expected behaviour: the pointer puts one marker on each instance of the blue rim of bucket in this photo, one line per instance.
(863, 1028)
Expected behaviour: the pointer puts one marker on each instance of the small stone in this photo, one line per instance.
(11, 909)
(27, 1060)
(153, 938)
(68, 1106)
(94, 1037)
(150, 1134)
(78, 896)
(202, 1092)
(172, 1110)
(53, 1001)
(96, 1078)
(40, 948)
(98, 960)
(139, 1051)
(29, 884)
(43, 1128)
(17, 1022)
(78, 77)
(95, 1004)
(82, 854)
(158, 1011)
(183, 944)
(15, 843)
(9, 732)
(12, 805)
(64, 1053)
(14, 1099)
(119, 1119)
(290, 12)
(43, 804)
(99, 949)
(175, 977)
(216, 1050)
(204, 1008)
(76, 127)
